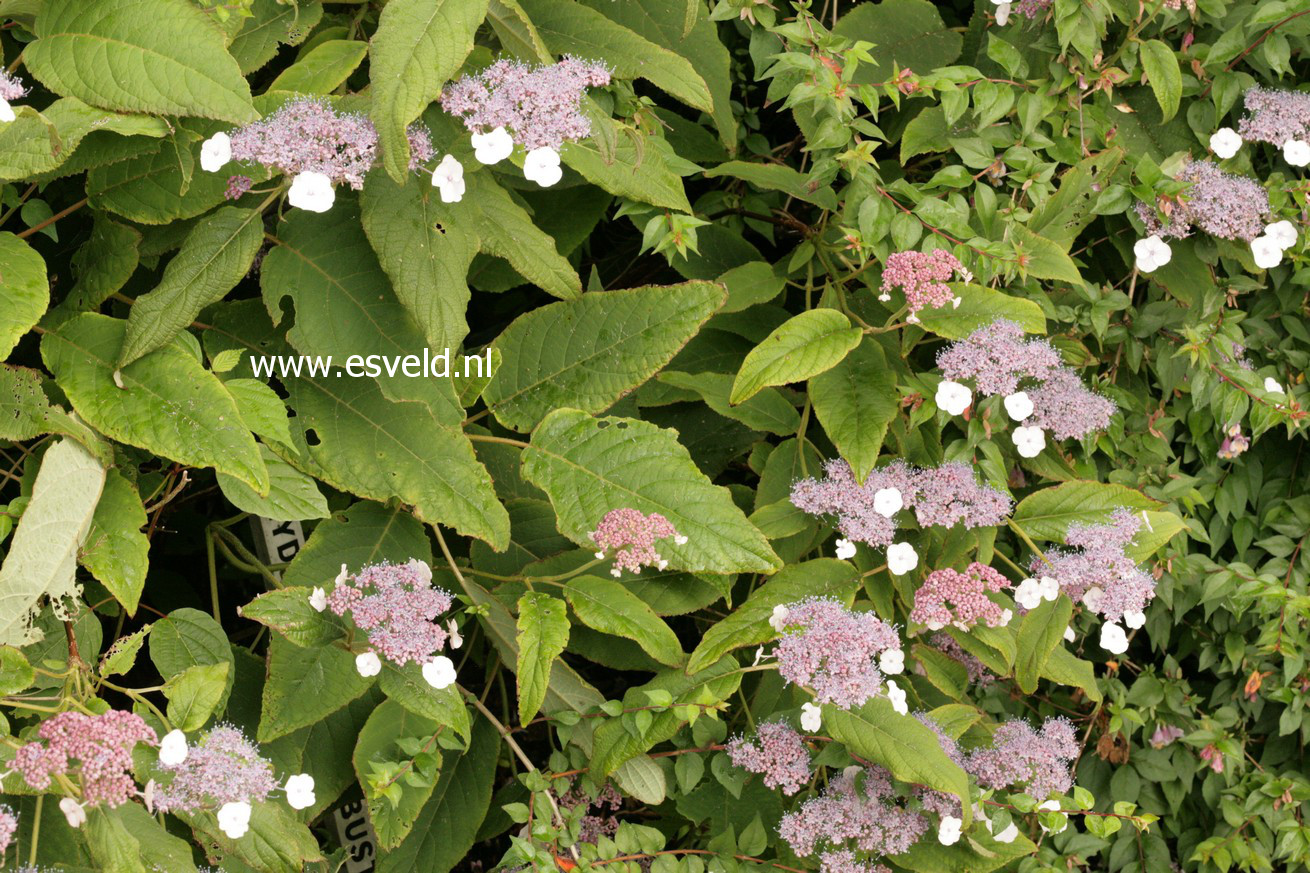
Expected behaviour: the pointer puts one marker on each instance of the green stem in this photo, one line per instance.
(36, 831)
(213, 576)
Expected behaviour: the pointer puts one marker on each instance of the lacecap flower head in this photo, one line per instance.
(833, 651)
(1038, 761)
(632, 536)
(1224, 205)
(923, 276)
(1097, 571)
(96, 748)
(949, 597)
(777, 752)
(222, 767)
(847, 818)
(397, 605)
(8, 827)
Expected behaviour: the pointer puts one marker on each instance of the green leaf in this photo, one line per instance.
(116, 550)
(215, 256)
(1040, 633)
(977, 853)
(104, 263)
(304, 685)
(261, 409)
(1064, 668)
(24, 291)
(1065, 215)
(590, 466)
(288, 611)
(908, 34)
(516, 32)
(270, 25)
(121, 656)
(1159, 528)
(194, 694)
(277, 841)
(748, 624)
(981, 306)
(15, 673)
(638, 174)
(444, 706)
(37, 143)
(1163, 75)
(768, 410)
(42, 555)
(292, 496)
(149, 846)
(188, 637)
(156, 56)
(803, 346)
(322, 68)
(543, 632)
(606, 606)
(419, 44)
(777, 177)
(168, 404)
(1041, 258)
(364, 534)
(1047, 514)
(323, 750)
(855, 401)
(589, 352)
(25, 412)
(393, 813)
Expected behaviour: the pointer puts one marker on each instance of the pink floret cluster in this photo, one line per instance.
(1224, 205)
(923, 276)
(977, 671)
(1097, 572)
(834, 651)
(540, 106)
(949, 597)
(632, 537)
(844, 819)
(11, 87)
(1039, 761)
(777, 752)
(8, 827)
(398, 605)
(100, 744)
(1275, 116)
(223, 767)
(846, 861)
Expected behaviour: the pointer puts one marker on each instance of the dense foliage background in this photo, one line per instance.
(687, 323)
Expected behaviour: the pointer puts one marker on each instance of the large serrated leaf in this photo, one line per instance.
(269, 26)
(803, 346)
(40, 142)
(642, 175)
(606, 606)
(1047, 514)
(24, 291)
(116, 550)
(292, 496)
(543, 632)
(392, 814)
(304, 685)
(855, 401)
(1040, 632)
(978, 307)
(908, 34)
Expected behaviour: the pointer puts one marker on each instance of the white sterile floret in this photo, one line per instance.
(439, 672)
(778, 620)
(311, 191)
(948, 832)
(1134, 619)
(368, 664)
(1093, 597)
(452, 630)
(421, 569)
(1283, 233)
(6, 111)
(1029, 441)
(318, 599)
(1272, 386)
(679, 539)
(811, 717)
(215, 152)
(1225, 142)
(1113, 638)
(891, 661)
(901, 558)
(1018, 405)
(73, 811)
(493, 147)
(300, 791)
(1053, 806)
(1068, 634)
(1267, 252)
(1152, 253)
(172, 748)
(234, 819)
(448, 178)
(1006, 615)
(953, 398)
(896, 695)
(845, 550)
(1296, 152)
(542, 166)
(342, 576)
(1002, 13)
(1028, 594)
(888, 501)
(1049, 587)
(1008, 835)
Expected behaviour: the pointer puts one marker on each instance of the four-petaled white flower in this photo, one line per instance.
(888, 501)
(448, 178)
(680, 539)
(6, 111)
(300, 791)
(1134, 619)
(439, 672)
(1152, 253)
(948, 832)
(891, 661)
(953, 398)
(493, 147)
(1028, 594)
(1225, 142)
(901, 558)
(1018, 405)
(215, 152)
(1267, 252)
(1093, 598)
(845, 550)
(453, 630)
(1272, 385)
(896, 695)
(542, 166)
(811, 717)
(311, 191)
(778, 620)
(342, 576)
(172, 748)
(1296, 152)
(1049, 587)
(234, 819)
(1002, 13)
(1283, 233)
(1029, 441)
(1113, 638)
(73, 811)
(368, 664)
(318, 599)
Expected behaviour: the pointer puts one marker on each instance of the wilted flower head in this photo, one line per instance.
(949, 597)
(1222, 204)
(777, 752)
(1234, 443)
(1275, 116)
(633, 535)
(834, 651)
(100, 744)
(539, 105)
(845, 818)
(8, 827)
(1040, 761)
(1100, 574)
(1164, 735)
(398, 606)
(223, 767)
(923, 276)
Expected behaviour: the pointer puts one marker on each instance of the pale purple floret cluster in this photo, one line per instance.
(834, 651)
(867, 819)
(1032, 9)
(237, 186)
(923, 276)
(846, 861)
(540, 106)
(1039, 761)
(100, 744)
(398, 606)
(223, 767)
(949, 597)
(8, 827)
(1101, 566)
(977, 670)
(11, 87)
(633, 536)
(939, 802)
(1223, 205)
(945, 496)
(308, 135)
(1275, 116)
(1001, 361)
(777, 752)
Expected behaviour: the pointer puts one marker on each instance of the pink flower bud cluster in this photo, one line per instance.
(1100, 574)
(237, 186)
(1033, 9)
(1039, 761)
(222, 767)
(11, 87)
(539, 105)
(834, 651)
(777, 752)
(949, 597)
(308, 135)
(1222, 204)
(946, 496)
(398, 606)
(978, 673)
(100, 744)
(923, 276)
(866, 819)
(8, 827)
(1275, 116)
(633, 536)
